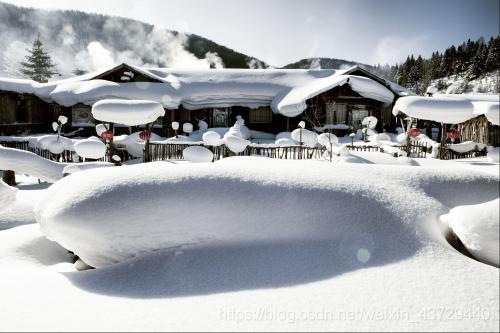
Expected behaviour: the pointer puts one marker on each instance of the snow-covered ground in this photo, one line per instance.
(373, 257)
(458, 84)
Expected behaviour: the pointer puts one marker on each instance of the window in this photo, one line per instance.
(261, 115)
(335, 113)
(358, 114)
(82, 115)
(220, 118)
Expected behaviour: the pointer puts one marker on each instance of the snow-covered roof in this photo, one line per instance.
(285, 90)
(450, 109)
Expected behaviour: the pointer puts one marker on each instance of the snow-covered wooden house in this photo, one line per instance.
(462, 118)
(270, 100)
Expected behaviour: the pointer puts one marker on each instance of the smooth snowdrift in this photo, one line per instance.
(101, 214)
(127, 112)
(22, 161)
(477, 226)
(77, 167)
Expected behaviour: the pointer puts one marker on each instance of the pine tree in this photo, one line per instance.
(38, 65)
(478, 65)
(493, 59)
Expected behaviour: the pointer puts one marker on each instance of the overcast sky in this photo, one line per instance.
(284, 31)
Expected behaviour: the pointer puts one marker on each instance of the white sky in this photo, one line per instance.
(284, 31)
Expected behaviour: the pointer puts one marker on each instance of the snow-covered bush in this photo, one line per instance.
(235, 143)
(327, 140)
(285, 142)
(211, 138)
(197, 154)
(89, 148)
(309, 138)
(370, 122)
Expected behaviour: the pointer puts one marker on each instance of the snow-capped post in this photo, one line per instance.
(146, 136)
(175, 127)
(412, 133)
(352, 135)
(127, 112)
(187, 128)
(302, 125)
(453, 134)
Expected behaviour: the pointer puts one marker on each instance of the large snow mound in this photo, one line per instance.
(110, 215)
(478, 228)
(21, 161)
(127, 112)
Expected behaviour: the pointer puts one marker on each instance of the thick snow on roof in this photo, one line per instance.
(286, 90)
(127, 112)
(449, 109)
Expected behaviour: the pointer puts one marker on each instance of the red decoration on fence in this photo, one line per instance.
(107, 135)
(145, 135)
(413, 132)
(453, 134)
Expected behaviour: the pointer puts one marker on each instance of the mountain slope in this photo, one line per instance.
(87, 42)
(325, 63)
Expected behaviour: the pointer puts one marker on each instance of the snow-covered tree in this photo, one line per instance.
(38, 65)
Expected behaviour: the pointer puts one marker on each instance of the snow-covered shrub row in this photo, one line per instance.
(109, 215)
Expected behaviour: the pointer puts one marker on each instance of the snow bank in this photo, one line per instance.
(7, 195)
(21, 161)
(198, 154)
(102, 214)
(478, 228)
(77, 167)
(127, 112)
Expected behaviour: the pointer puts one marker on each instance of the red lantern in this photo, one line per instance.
(145, 135)
(453, 134)
(107, 135)
(413, 132)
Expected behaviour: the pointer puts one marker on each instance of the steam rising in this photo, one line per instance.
(92, 42)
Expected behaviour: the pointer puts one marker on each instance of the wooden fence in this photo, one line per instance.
(66, 156)
(445, 153)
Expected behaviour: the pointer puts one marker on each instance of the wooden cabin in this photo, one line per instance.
(340, 110)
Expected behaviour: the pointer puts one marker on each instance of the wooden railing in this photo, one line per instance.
(445, 153)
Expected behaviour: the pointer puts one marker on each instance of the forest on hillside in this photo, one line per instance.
(469, 61)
